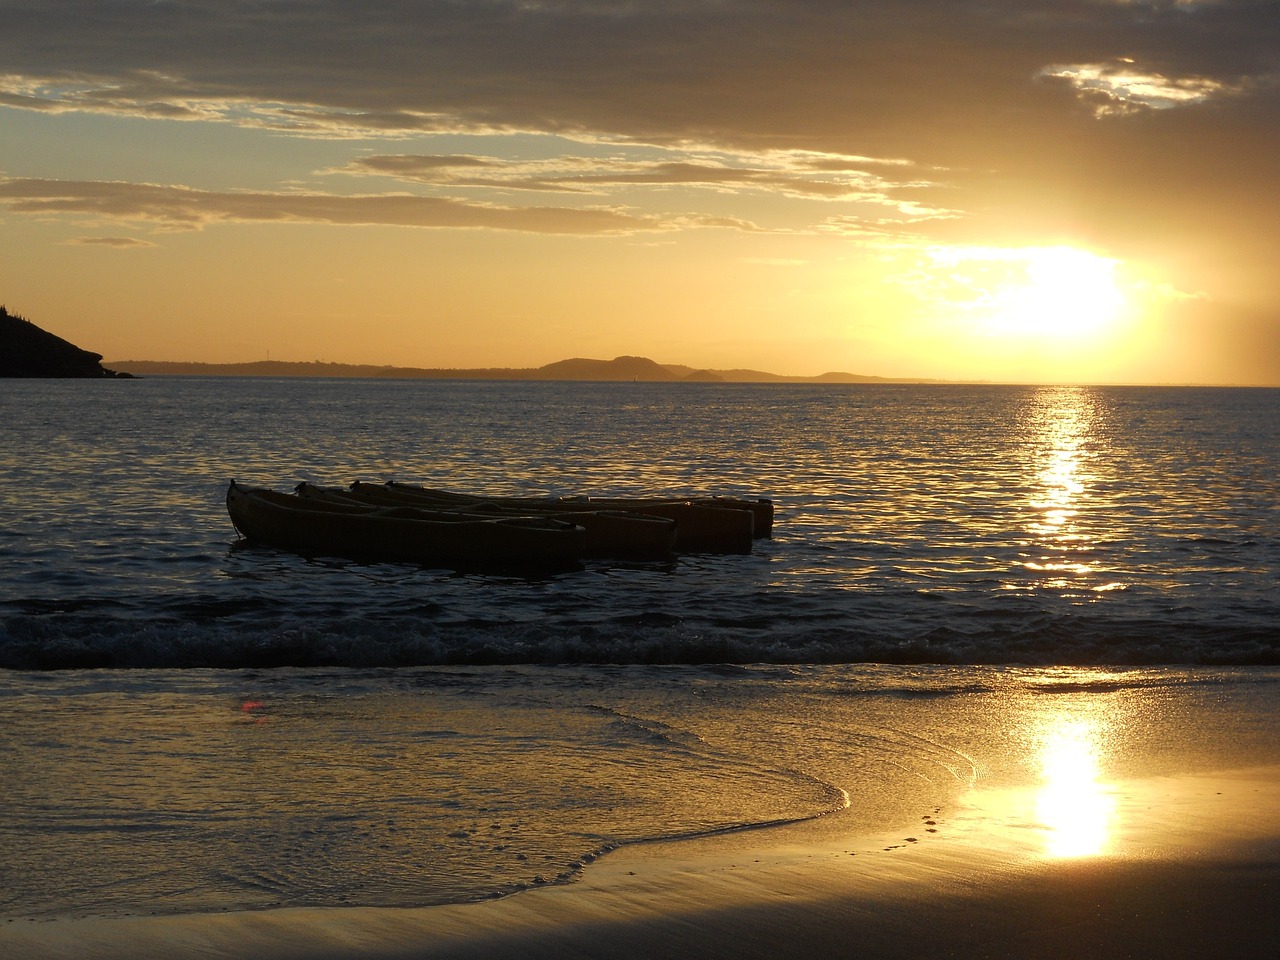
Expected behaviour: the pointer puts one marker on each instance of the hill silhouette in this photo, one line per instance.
(619, 368)
(28, 351)
(624, 368)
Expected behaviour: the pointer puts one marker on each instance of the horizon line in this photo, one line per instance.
(522, 374)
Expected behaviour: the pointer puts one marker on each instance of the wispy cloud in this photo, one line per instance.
(179, 207)
(122, 243)
(796, 174)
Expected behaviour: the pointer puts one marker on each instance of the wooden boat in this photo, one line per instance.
(709, 525)
(402, 534)
(761, 510)
(610, 533)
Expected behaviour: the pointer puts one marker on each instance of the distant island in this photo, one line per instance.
(28, 351)
(638, 369)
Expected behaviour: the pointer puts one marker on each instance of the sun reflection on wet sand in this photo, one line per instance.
(1055, 790)
(1072, 803)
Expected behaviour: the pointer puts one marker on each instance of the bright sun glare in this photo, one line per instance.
(1073, 805)
(1062, 293)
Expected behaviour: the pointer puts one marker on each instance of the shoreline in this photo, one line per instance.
(1191, 868)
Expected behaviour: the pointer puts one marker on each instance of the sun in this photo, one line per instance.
(1060, 293)
(1064, 292)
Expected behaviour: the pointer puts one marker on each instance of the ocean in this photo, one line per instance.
(915, 524)
(194, 723)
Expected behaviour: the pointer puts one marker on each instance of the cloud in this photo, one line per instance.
(986, 107)
(796, 174)
(134, 93)
(816, 74)
(119, 242)
(157, 96)
(1121, 88)
(187, 208)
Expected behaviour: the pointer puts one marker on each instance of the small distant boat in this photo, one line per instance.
(609, 533)
(405, 534)
(703, 525)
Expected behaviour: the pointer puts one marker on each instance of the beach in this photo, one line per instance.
(1199, 884)
(1197, 876)
(1181, 860)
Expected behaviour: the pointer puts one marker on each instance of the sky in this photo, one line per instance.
(1011, 190)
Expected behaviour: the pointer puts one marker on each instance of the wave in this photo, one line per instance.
(104, 637)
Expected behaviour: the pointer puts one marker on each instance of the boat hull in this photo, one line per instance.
(402, 535)
(610, 533)
(702, 526)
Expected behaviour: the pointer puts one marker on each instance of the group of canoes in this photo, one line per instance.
(402, 522)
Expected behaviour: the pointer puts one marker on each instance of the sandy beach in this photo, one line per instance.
(1189, 867)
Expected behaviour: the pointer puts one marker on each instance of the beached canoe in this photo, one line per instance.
(402, 534)
(610, 533)
(710, 525)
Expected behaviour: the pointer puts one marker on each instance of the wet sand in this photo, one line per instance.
(1189, 866)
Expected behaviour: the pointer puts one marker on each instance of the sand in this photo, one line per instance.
(1187, 866)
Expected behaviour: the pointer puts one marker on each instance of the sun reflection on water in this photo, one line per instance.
(1073, 804)
(1063, 434)
(1062, 525)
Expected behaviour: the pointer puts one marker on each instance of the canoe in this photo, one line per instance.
(707, 525)
(609, 533)
(402, 534)
(761, 510)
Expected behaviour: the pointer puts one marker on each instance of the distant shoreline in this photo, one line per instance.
(596, 371)
(620, 369)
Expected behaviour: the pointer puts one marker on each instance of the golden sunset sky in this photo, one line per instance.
(1012, 190)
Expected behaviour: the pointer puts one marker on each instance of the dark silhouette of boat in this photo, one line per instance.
(402, 534)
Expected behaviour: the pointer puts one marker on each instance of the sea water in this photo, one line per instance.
(952, 524)
(189, 722)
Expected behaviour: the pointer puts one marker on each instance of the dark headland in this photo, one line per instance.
(28, 351)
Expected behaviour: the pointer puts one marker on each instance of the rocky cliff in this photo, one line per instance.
(28, 351)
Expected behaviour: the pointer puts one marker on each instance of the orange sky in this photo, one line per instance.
(1029, 190)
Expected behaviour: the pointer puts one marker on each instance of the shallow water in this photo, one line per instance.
(178, 791)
